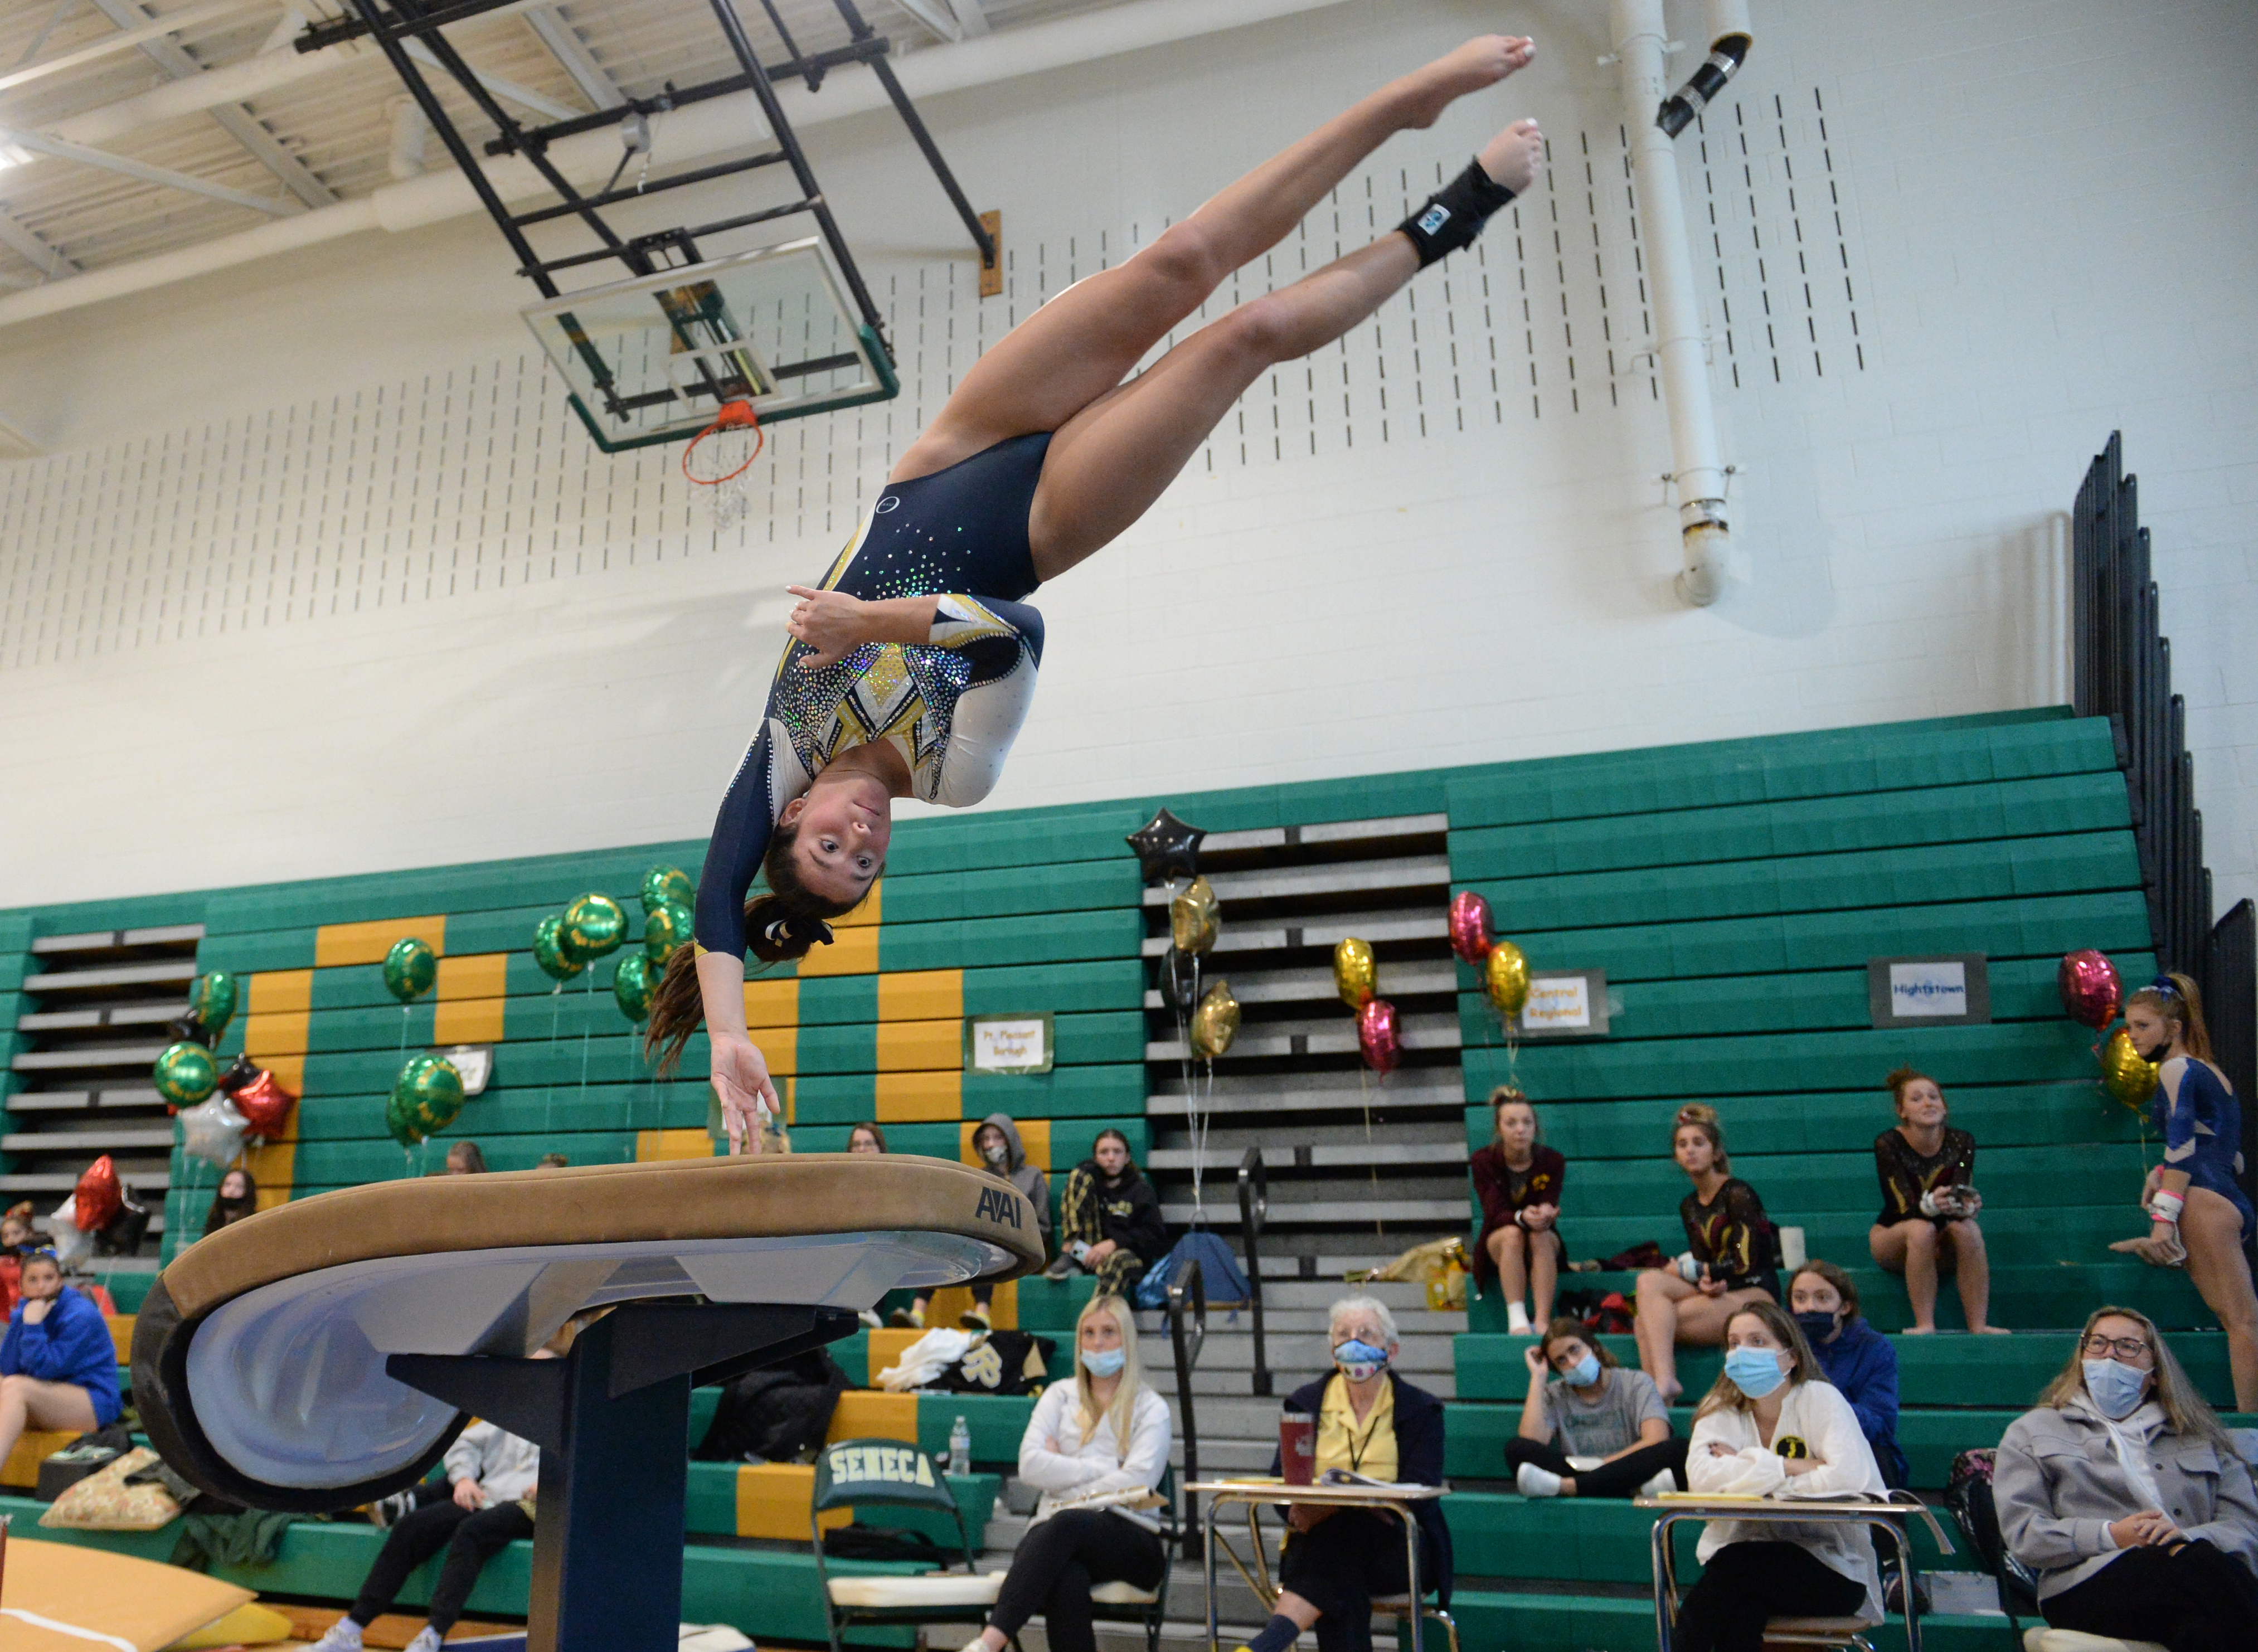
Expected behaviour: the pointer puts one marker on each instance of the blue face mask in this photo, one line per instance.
(1818, 1327)
(1359, 1361)
(2114, 1389)
(1584, 1372)
(1105, 1363)
(1755, 1371)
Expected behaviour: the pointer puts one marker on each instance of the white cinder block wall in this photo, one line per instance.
(320, 576)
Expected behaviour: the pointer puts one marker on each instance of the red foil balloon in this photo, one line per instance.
(265, 1106)
(1471, 934)
(1376, 1036)
(98, 1197)
(2090, 991)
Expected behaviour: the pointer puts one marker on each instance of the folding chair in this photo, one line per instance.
(1120, 1602)
(867, 1473)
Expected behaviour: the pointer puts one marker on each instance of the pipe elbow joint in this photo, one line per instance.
(1703, 579)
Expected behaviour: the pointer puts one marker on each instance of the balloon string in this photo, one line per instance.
(587, 1023)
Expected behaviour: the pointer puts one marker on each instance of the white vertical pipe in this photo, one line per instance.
(1681, 351)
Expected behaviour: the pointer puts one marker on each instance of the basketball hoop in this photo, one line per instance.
(735, 440)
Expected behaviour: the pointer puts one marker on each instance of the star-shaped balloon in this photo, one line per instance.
(1167, 848)
(213, 1132)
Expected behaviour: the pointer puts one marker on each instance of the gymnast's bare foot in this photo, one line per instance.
(1514, 156)
(1482, 61)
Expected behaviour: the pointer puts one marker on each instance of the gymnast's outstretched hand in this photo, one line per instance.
(740, 1078)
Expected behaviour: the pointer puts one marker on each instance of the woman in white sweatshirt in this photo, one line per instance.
(1774, 1427)
(1096, 1447)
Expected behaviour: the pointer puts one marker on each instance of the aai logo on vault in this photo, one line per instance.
(998, 1205)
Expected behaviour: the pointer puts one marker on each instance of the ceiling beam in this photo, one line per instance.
(971, 16)
(236, 120)
(937, 16)
(44, 144)
(27, 242)
(573, 56)
(508, 91)
(188, 17)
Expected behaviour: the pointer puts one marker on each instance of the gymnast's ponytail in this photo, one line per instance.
(783, 923)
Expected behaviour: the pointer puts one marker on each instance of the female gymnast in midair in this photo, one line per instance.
(912, 665)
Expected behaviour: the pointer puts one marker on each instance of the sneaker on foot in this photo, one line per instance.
(1535, 1482)
(1062, 1267)
(343, 1635)
(385, 1511)
(426, 1640)
(1517, 1320)
(870, 1317)
(1663, 1481)
(976, 1318)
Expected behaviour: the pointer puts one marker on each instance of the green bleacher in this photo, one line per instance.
(1733, 892)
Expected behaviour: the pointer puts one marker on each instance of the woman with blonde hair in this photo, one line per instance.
(1731, 1256)
(1096, 1447)
(2126, 1499)
(1517, 1179)
(2200, 1218)
(1772, 1423)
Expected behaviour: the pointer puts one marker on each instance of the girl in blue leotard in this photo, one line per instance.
(2195, 1198)
(911, 664)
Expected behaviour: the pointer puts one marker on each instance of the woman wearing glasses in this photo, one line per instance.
(2126, 1498)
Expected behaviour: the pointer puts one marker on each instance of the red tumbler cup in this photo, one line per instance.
(1297, 1447)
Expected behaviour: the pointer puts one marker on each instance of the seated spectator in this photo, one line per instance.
(485, 1505)
(236, 1198)
(1773, 1422)
(1370, 1421)
(1097, 1445)
(1853, 1356)
(464, 1158)
(2125, 1497)
(553, 1161)
(1517, 1178)
(58, 1365)
(1929, 1205)
(866, 1138)
(869, 1138)
(1109, 1219)
(17, 1239)
(1731, 1259)
(1596, 1429)
(996, 1141)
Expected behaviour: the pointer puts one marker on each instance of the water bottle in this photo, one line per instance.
(960, 1448)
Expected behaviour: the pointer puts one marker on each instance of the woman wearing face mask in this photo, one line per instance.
(1852, 1355)
(996, 1141)
(2199, 1215)
(1372, 1422)
(1731, 1259)
(1095, 1443)
(1109, 1219)
(1930, 1204)
(1596, 1429)
(2126, 1499)
(1517, 1178)
(1774, 1425)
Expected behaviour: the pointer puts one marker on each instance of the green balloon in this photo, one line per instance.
(549, 951)
(665, 883)
(593, 925)
(634, 985)
(212, 1002)
(410, 968)
(185, 1074)
(667, 928)
(425, 1099)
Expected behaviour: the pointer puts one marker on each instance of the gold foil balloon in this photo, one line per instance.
(2124, 1075)
(1215, 1024)
(1505, 978)
(665, 883)
(1194, 917)
(410, 968)
(593, 925)
(1356, 973)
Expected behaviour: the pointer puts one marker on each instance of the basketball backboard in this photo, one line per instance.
(653, 358)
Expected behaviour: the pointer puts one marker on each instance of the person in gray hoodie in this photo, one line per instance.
(1002, 1155)
(2126, 1498)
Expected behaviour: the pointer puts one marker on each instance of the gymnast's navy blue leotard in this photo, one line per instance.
(951, 706)
(2202, 1128)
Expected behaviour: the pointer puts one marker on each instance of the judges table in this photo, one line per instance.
(326, 1352)
(1252, 1495)
(1881, 1514)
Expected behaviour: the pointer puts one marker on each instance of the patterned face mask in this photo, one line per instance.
(1359, 1361)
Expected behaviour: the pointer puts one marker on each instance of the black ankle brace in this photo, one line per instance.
(1454, 214)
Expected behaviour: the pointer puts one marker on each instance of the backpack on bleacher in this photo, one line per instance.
(1968, 1494)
